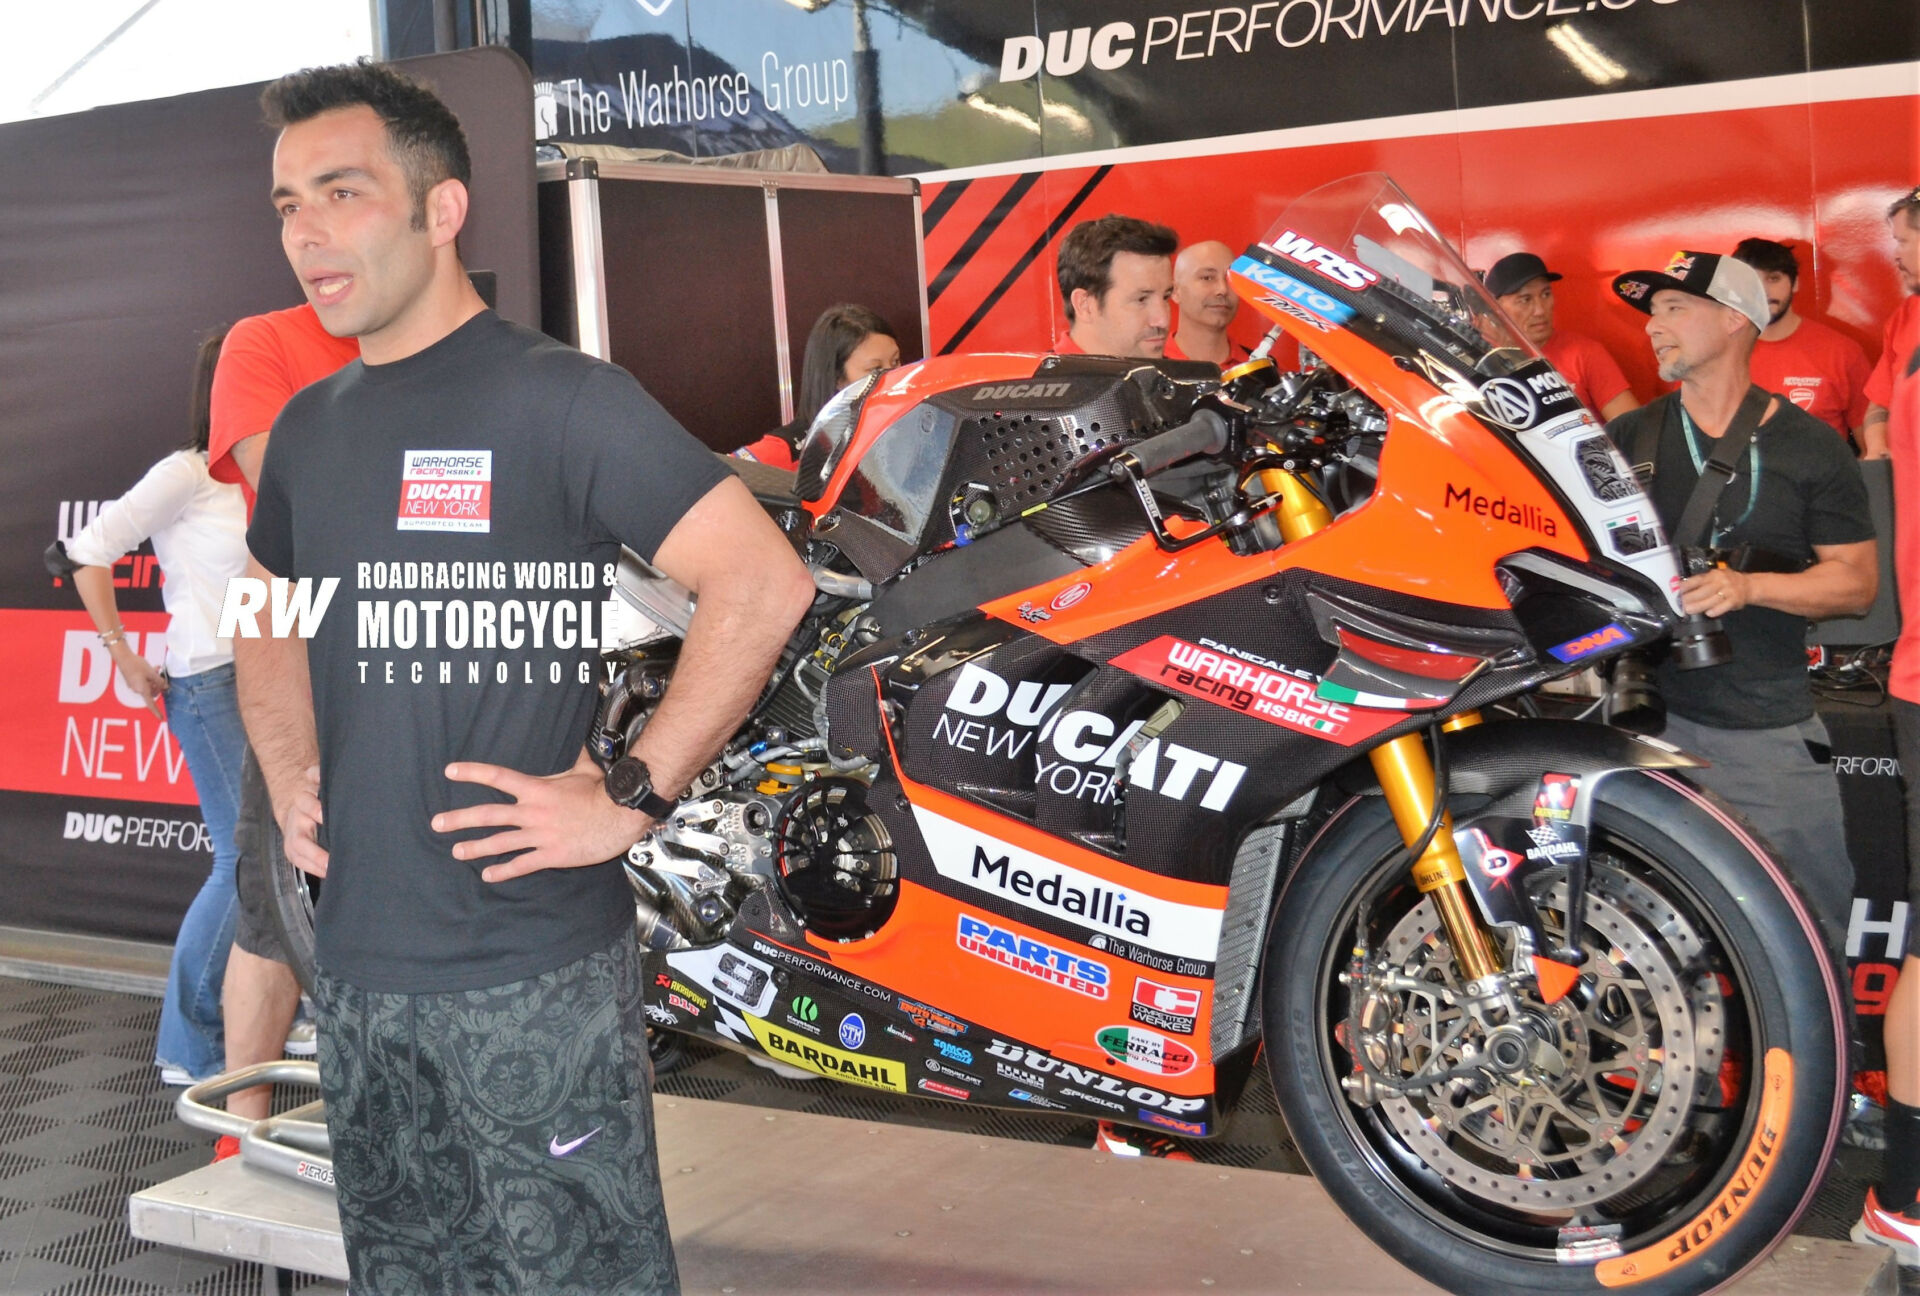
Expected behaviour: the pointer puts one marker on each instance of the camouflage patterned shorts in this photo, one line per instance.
(497, 1140)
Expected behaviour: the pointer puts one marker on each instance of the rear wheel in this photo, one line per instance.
(1660, 1127)
(293, 895)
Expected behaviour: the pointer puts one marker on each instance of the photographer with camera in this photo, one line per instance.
(1778, 534)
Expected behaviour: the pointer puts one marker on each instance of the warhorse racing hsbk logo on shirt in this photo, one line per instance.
(446, 490)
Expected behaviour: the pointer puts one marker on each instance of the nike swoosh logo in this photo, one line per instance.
(559, 1149)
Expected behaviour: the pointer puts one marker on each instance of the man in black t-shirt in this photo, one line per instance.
(468, 483)
(1796, 493)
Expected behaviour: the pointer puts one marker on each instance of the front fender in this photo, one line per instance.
(1502, 760)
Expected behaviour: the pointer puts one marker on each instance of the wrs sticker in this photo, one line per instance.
(446, 490)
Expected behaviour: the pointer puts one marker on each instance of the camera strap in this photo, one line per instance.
(1696, 519)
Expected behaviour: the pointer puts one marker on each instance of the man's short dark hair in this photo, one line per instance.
(423, 134)
(1769, 257)
(1087, 252)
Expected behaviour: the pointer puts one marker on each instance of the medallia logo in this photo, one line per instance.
(853, 1031)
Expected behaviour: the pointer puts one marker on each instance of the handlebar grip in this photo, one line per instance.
(1205, 433)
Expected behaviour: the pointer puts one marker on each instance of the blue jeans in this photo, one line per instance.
(203, 713)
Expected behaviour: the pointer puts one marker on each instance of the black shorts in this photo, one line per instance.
(253, 929)
(497, 1140)
(1906, 740)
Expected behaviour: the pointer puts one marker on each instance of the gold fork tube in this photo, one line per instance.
(1406, 776)
(1404, 769)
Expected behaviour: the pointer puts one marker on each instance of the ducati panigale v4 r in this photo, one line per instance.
(1139, 724)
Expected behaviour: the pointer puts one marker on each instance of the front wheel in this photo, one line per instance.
(1659, 1128)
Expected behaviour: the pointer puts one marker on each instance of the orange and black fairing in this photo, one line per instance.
(1083, 703)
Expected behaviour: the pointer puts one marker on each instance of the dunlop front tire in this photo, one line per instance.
(1687, 846)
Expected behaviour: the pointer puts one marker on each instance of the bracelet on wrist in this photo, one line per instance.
(111, 637)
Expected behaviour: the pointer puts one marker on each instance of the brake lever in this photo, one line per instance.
(1123, 468)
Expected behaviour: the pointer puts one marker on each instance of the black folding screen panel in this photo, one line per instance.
(706, 277)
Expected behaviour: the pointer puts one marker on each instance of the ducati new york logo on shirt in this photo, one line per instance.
(446, 490)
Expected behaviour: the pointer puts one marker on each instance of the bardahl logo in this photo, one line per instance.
(446, 490)
(1021, 391)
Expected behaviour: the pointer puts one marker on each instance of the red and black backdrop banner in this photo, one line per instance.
(127, 234)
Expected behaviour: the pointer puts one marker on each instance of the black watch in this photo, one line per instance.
(630, 783)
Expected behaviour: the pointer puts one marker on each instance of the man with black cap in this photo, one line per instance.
(1796, 505)
(1524, 287)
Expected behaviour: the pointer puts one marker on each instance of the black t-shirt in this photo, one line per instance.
(1810, 494)
(472, 500)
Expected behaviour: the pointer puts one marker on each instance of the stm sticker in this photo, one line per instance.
(446, 490)
(1146, 1051)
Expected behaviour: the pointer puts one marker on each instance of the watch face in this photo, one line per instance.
(628, 780)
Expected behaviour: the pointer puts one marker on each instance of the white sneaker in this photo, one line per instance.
(301, 1040)
(1895, 1229)
(173, 1075)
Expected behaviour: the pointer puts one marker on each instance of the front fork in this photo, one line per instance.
(1405, 772)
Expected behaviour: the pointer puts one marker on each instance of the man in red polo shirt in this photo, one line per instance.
(1116, 280)
(264, 361)
(1891, 1214)
(1903, 328)
(1524, 287)
(1820, 369)
(1204, 295)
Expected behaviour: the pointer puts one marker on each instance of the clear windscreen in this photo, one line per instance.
(1365, 233)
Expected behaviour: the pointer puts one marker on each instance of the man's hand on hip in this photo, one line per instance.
(300, 827)
(563, 820)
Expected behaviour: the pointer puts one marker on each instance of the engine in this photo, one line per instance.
(773, 817)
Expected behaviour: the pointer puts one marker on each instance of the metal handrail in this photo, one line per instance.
(294, 1143)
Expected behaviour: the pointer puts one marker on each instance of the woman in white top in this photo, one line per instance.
(199, 531)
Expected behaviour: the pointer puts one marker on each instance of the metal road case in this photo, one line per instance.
(703, 282)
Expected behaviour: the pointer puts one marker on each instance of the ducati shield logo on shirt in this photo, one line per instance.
(446, 490)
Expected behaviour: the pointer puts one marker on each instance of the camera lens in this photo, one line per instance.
(1699, 641)
(1633, 697)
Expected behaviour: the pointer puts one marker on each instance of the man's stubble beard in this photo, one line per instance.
(1675, 370)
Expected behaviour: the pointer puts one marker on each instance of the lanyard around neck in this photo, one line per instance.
(1699, 466)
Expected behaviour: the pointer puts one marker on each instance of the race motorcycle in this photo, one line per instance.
(1143, 721)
